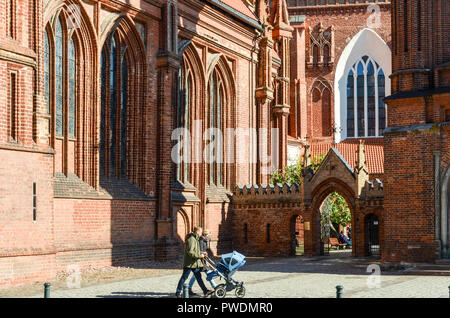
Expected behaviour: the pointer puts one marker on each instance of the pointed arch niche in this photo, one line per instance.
(321, 93)
(361, 82)
(69, 59)
(219, 115)
(123, 69)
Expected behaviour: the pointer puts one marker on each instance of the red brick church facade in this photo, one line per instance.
(91, 94)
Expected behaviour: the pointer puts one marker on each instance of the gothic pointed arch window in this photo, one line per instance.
(366, 111)
(61, 82)
(216, 123)
(184, 113)
(189, 87)
(47, 56)
(114, 107)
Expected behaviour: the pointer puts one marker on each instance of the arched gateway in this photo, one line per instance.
(259, 208)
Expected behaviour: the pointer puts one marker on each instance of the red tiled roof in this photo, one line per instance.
(373, 149)
(241, 6)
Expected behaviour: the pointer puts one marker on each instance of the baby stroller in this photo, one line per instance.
(225, 269)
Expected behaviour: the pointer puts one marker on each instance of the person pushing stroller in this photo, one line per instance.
(203, 242)
(192, 261)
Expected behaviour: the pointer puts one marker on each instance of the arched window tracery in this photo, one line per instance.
(114, 108)
(366, 111)
(60, 89)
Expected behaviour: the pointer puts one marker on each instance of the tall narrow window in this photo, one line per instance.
(59, 70)
(212, 117)
(72, 88)
(13, 107)
(405, 26)
(371, 118)
(114, 108)
(47, 71)
(381, 106)
(419, 25)
(361, 121)
(12, 18)
(34, 202)
(268, 233)
(215, 122)
(123, 118)
(61, 78)
(350, 104)
(103, 111)
(187, 174)
(366, 116)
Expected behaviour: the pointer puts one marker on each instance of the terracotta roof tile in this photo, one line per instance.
(348, 148)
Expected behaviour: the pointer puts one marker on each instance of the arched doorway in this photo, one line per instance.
(335, 226)
(372, 232)
(337, 197)
(297, 236)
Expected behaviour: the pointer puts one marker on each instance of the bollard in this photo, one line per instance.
(448, 291)
(185, 290)
(339, 291)
(46, 290)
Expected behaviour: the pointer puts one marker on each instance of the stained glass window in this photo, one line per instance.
(47, 71)
(187, 174)
(371, 99)
(72, 88)
(381, 105)
(113, 106)
(366, 83)
(360, 100)
(219, 126)
(350, 105)
(114, 109)
(212, 119)
(123, 118)
(59, 66)
(103, 112)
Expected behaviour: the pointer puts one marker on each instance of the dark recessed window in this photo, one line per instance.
(34, 202)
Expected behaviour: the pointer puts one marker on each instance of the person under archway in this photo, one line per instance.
(344, 239)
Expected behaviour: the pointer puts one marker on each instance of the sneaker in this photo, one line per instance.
(191, 293)
(178, 296)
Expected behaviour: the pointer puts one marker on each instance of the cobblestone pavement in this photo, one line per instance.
(286, 278)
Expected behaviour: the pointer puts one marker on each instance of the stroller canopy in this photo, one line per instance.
(233, 261)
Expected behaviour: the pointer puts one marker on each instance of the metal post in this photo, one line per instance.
(339, 291)
(185, 290)
(46, 290)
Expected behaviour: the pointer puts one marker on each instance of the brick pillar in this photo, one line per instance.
(168, 64)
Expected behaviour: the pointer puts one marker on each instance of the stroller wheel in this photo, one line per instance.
(220, 292)
(240, 292)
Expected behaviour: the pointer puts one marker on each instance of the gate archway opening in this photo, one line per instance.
(297, 236)
(334, 219)
(372, 234)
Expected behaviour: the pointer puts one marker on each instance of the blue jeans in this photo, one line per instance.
(193, 278)
(185, 276)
